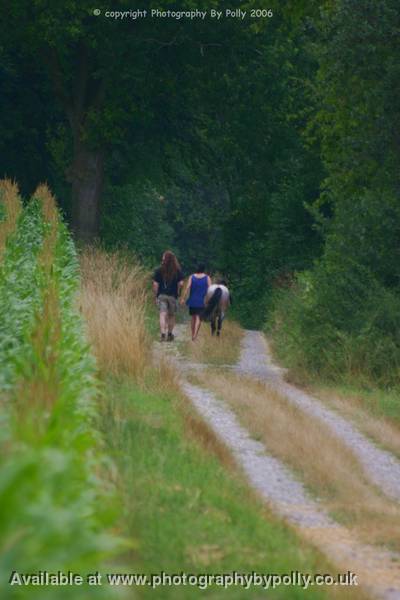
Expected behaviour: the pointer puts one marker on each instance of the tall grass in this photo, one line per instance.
(113, 302)
(213, 350)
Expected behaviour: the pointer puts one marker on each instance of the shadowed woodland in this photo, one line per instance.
(267, 148)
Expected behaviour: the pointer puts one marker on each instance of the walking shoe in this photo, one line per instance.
(171, 337)
(163, 337)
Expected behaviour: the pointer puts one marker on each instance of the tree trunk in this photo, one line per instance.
(86, 176)
(86, 173)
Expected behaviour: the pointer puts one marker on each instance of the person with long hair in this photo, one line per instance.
(196, 290)
(167, 283)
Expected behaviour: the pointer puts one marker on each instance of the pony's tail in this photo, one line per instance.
(212, 304)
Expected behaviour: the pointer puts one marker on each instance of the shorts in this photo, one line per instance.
(167, 304)
(195, 310)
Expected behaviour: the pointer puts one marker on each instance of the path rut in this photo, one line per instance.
(378, 570)
(380, 466)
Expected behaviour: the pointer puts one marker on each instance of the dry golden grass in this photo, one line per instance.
(322, 461)
(163, 376)
(213, 350)
(379, 428)
(113, 302)
(13, 206)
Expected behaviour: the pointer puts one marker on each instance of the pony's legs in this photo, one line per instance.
(213, 327)
(216, 321)
(219, 325)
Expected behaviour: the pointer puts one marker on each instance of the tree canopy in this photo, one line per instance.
(266, 146)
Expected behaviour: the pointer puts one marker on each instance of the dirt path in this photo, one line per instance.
(377, 570)
(380, 466)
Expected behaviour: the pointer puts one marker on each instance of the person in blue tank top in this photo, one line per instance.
(195, 292)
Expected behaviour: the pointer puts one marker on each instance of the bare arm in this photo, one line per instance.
(155, 289)
(186, 290)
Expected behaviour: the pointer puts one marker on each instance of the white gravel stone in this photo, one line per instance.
(380, 466)
(378, 569)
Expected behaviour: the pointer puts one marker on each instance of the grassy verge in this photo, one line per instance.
(181, 506)
(361, 369)
(182, 502)
(216, 351)
(315, 453)
(375, 412)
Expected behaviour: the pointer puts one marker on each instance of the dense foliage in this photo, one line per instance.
(342, 317)
(55, 504)
(267, 148)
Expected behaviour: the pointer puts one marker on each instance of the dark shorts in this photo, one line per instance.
(194, 310)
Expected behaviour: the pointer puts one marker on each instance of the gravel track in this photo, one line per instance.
(378, 570)
(380, 466)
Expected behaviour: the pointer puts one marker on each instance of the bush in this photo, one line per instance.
(340, 324)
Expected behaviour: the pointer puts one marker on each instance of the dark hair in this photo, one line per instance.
(222, 282)
(169, 266)
(201, 267)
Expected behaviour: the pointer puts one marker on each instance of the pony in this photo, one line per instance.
(217, 300)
